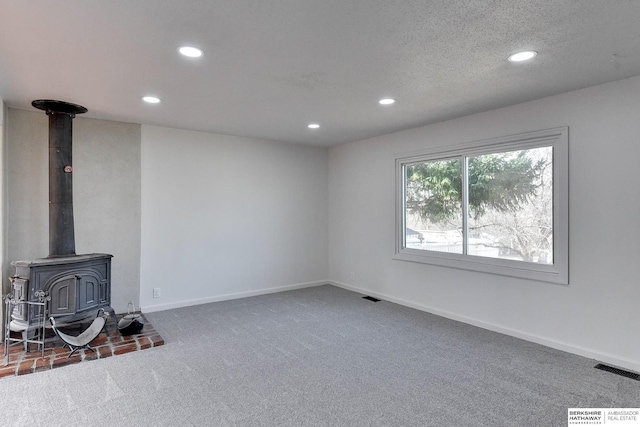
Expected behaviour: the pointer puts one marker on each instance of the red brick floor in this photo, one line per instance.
(109, 343)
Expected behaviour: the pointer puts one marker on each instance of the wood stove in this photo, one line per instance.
(78, 285)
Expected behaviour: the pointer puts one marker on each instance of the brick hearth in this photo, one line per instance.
(109, 343)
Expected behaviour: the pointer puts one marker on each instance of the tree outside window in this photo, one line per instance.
(487, 201)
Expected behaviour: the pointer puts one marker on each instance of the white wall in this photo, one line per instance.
(4, 288)
(598, 313)
(225, 217)
(3, 191)
(106, 190)
(4, 111)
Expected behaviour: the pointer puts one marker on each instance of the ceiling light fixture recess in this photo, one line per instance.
(313, 126)
(151, 99)
(190, 51)
(522, 56)
(387, 101)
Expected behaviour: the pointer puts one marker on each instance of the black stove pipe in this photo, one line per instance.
(61, 227)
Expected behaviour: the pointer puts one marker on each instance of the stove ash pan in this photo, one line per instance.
(78, 286)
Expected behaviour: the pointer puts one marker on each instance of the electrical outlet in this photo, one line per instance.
(156, 292)
(352, 276)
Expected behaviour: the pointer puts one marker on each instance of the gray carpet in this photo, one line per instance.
(317, 357)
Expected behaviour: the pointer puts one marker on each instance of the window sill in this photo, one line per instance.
(502, 267)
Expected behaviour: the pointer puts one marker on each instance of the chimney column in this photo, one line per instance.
(61, 226)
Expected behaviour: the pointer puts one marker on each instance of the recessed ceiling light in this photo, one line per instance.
(151, 99)
(313, 126)
(522, 56)
(190, 51)
(387, 101)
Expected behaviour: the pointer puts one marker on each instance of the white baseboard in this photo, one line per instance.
(609, 359)
(197, 301)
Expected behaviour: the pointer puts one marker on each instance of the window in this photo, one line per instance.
(497, 206)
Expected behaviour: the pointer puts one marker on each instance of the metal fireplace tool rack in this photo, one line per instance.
(32, 333)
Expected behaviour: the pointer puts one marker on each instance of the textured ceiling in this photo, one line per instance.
(272, 67)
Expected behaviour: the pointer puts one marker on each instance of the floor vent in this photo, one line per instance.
(617, 371)
(371, 298)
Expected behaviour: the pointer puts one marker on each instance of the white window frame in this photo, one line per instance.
(558, 271)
